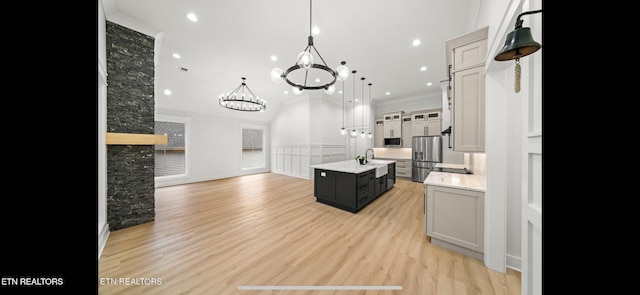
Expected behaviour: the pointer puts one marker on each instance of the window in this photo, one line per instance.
(252, 148)
(170, 158)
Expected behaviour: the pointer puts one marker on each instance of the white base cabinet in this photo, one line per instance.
(455, 219)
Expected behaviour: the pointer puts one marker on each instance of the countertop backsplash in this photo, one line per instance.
(477, 162)
(392, 153)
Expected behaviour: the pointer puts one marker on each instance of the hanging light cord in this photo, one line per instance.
(343, 104)
(311, 37)
(354, 100)
(362, 105)
(369, 114)
(310, 15)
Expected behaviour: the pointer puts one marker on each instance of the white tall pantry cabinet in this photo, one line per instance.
(467, 54)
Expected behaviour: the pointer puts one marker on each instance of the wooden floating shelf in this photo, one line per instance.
(136, 139)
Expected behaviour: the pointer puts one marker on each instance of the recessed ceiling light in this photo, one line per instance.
(167, 92)
(387, 93)
(340, 92)
(318, 80)
(175, 55)
(423, 68)
(286, 92)
(429, 84)
(274, 58)
(315, 30)
(416, 42)
(357, 99)
(192, 17)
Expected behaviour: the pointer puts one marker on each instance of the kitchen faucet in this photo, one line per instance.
(366, 153)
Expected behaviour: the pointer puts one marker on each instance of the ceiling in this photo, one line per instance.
(236, 38)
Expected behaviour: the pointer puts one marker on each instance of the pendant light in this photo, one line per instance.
(343, 131)
(305, 61)
(353, 132)
(242, 99)
(362, 108)
(369, 114)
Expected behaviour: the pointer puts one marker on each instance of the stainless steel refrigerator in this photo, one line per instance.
(426, 151)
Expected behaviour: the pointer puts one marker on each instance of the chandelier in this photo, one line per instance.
(362, 134)
(343, 131)
(242, 99)
(305, 62)
(353, 133)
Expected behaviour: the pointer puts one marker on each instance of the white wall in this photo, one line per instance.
(291, 124)
(504, 123)
(514, 174)
(495, 195)
(305, 131)
(213, 147)
(325, 120)
(359, 117)
(316, 120)
(103, 226)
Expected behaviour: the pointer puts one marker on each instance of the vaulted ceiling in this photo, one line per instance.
(235, 39)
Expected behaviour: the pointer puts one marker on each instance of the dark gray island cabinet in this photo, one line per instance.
(350, 186)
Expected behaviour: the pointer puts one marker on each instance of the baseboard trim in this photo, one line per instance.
(103, 235)
(514, 262)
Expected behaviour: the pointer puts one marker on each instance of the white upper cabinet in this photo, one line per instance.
(467, 55)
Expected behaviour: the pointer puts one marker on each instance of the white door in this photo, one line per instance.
(532, 163)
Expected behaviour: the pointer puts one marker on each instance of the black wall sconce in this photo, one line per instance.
(519, 43)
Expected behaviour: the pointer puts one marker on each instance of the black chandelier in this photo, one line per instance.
(305, 62)
(240, 100)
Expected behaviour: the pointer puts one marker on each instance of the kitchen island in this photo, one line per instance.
(350, 186)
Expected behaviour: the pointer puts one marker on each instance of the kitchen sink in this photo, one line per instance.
(382, 167)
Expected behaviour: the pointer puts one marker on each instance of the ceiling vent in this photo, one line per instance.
(181, 69)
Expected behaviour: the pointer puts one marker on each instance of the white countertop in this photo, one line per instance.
(454, 180)
(447, 165)
(351, 166)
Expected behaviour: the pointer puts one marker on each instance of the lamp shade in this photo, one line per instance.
(519, 43)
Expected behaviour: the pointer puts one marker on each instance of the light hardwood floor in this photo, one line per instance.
(268, 230)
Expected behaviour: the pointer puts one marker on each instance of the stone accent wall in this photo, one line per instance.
(130, 109)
